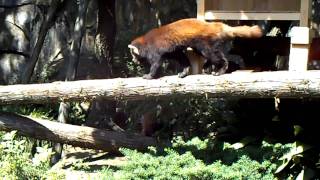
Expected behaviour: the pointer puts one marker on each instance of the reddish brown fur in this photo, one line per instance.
(148, 123)
(314, 50)
(206, 38)
(121, 119)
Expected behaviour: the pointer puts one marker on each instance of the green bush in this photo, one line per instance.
(15, 161)
(182, 161)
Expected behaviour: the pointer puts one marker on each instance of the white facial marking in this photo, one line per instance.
(134, 49)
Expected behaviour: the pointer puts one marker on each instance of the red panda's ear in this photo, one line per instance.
(133, 49)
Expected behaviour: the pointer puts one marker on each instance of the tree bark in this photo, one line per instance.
(80, 136)
(78, 32)
(47, 22)
(106, 34)
(102, 111)
(280, 84)
(73, 61)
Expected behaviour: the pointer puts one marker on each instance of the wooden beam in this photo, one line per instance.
(80, 136)
(262, 85)
(250, 15)
(200, 9)
(299, 49)
(305, 12)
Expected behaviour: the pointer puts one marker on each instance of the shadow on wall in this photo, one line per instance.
(14, 42)
(20, 24)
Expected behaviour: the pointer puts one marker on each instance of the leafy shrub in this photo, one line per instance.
(183, 161)
(190, 117)
(49, 111)
(15, 161)
(172, 165)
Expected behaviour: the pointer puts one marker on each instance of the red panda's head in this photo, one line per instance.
(137, 56)
(136, 48)
(134, 53)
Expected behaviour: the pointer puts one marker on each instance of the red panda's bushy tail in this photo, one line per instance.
(242, 31)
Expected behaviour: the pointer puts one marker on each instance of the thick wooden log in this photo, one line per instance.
(282, 84)
(80, 136)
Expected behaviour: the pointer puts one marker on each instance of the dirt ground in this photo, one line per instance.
(78, 163)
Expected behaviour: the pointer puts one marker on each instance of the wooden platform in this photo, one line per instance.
(290, 10)
(299, 10)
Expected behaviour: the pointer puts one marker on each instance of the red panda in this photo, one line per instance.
(314, 54)
(148, 123)
(206, 38)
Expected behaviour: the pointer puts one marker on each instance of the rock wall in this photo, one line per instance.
(20, 21)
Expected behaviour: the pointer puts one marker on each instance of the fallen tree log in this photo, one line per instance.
(262, 84)
(80, 136)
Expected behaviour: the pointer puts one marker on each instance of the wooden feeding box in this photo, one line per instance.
(292, 10)
(298, 10)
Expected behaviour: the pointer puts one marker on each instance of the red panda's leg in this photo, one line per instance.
(213, 61)
(215, 58)
(184, 62)
(223, 68)
(155, 65)
(185, 72)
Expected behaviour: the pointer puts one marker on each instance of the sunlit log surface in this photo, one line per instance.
(80, 136)
(282, 84)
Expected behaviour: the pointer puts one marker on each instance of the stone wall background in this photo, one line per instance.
(20, 21)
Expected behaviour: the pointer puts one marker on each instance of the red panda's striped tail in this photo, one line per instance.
(242, 31)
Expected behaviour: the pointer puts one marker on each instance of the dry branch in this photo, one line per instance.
(263, 84)
(80, 136)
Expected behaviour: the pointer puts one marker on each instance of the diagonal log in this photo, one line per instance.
(282, 84)
(80, 136)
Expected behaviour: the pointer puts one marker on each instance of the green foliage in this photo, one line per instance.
(15, 162)
(190, 117)
(77, 113)
(183, 161)
(172, 165)
(49, 112)
(300, 163)
(106, 174)
(36, 111)
(79, 165)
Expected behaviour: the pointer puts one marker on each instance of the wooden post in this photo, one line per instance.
(196, 61)
(200, 9)
(305, 12)
(299, 49)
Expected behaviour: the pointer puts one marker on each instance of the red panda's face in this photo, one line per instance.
(134, 53)
(135, 58)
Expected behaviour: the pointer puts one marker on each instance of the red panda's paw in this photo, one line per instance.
(184, 73)
(147, 76)
(221, 70)
(218, 73)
